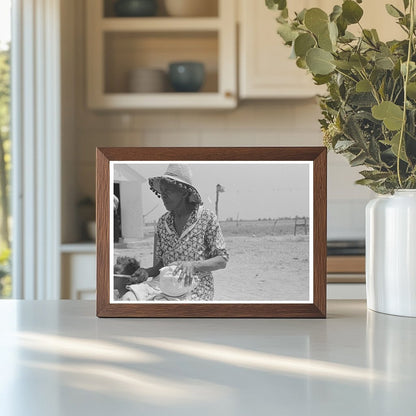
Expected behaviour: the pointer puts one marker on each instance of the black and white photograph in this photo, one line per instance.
(202, 231)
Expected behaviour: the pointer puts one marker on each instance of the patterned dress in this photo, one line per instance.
(201, 239)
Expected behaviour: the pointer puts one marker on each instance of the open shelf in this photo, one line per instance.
(160, 24)
(118, 45)
(127, 51)
(209, 9)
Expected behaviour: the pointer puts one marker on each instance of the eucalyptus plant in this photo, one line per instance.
(369, 111)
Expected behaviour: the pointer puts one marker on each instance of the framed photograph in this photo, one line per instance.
(211, 232)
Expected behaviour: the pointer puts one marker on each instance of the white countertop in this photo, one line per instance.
(57, 358)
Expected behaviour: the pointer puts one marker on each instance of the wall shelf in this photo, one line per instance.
(116, 46)
(160, 24)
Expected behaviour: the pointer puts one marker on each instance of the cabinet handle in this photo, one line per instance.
(229, 94)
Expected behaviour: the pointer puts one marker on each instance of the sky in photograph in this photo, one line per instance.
(252, 191)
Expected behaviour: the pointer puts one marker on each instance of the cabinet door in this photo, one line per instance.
(376, 17)
(266, 71)
(78, 276)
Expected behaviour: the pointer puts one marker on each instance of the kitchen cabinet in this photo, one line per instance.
(78, 264)
(118, 45)
(265, 70)
(346, 277)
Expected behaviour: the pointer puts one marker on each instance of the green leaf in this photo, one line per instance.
(347, 37)
(342, 145)
(287, 33)
(405, 21)
(368, 36)
(375, 35)
(362, 99)
(303, 43)
(351, 11)
(374, 174)
(394, 145)
(406, 4)
(365, 182)
(270, 4)
(301, 15)
(316, 20)
(276, 4)
(301, 63)
(393, 11)
(333, 32)
(325, 42)
(358, 61)
(336, 12)
(344, 65)
(334, 92)
(363, 86)
(411, 123)
(391, 114)
(342, 25)
(358, 160)
(352, 130)
(396, 70)
(374, 150)
(382, 89)
(412, 67)
(281, 19)
(384, 62)
(282, 4)
(321, 79)
(411, 90)
(377, 75)
(319, 61)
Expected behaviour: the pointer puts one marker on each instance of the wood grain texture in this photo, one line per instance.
(103, 231)
(346, 264)
(317, 309)
(319, 229)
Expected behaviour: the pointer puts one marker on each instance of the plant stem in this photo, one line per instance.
(373, 88)
(346, 75)
(392, 91)
(405, 81)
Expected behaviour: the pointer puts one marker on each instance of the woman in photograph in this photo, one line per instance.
(187, 235)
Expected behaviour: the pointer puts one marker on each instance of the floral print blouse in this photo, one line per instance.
(201, 239)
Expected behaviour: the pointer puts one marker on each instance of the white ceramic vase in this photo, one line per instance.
(391, 253)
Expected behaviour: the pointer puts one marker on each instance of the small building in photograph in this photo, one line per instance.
(128, 219)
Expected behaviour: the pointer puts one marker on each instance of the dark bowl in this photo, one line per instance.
(186, 76)
(135, 8)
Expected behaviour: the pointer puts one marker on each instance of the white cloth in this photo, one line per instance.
(141, 291)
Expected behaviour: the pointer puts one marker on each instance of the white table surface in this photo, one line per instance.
(57, 358)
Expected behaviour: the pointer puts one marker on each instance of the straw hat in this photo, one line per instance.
(179, 175)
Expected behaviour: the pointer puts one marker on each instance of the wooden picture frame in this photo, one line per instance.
(253, 161)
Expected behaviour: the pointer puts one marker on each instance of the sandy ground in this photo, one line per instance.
(261, 268)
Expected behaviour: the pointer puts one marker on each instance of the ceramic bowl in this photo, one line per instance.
(169, 284)
(135, 8)
(92, 230)
(191, 8)
(147, 80)
(186, 76)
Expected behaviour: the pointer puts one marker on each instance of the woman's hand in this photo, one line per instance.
(187, 269)
(139, 276)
